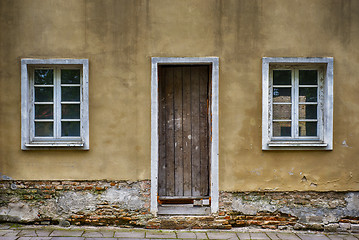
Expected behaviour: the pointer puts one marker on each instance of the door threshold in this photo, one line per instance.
(183, 209)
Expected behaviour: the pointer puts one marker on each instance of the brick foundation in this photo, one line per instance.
(127, 204)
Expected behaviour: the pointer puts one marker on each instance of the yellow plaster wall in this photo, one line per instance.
(120, 36)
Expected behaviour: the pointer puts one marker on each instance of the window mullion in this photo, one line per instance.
(295, 120)
(58, 103)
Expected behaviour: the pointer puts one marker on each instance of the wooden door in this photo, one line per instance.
(184, 93)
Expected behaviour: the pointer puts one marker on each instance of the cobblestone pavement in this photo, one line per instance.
(28, 232)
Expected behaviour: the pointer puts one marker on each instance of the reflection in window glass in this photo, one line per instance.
(308, 77)
(282, 129)
(44, 94)
(70, 94)
(70, 76)
(44, 76)
(282, 94)
(44, 111)
(282, 111)
(308, 94)
(70, 129)
(44, 129)
(307, 111)
(70, 111)
(282, 77)
(308, 129)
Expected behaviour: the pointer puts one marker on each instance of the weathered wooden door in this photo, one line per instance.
(184, 131)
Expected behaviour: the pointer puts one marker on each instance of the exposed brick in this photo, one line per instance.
(241, 223)
(254, 222)
(41, 193)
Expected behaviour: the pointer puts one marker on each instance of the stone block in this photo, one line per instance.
(184, 235)
(222, 235)
(243, 235)
(62, 233)
(298, 226)
(333, 227)
(261, 236)
(130, 234)
(354, 228)
(316, 219)
(315, 226)
(344, 226)
(162, 234)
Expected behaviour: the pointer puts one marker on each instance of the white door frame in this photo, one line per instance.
(214, 62)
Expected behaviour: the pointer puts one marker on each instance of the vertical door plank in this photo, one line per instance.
(203, 129)
(196, 170)
(187, 142)
(162, 134)
(177, 81)
(169, 132)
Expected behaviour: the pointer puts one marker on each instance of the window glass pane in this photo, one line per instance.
(70, 93)
(282, 129)
(44, 129)
(44, 94)
(70, 129)
(70, 111)
(282, 77)
(282, 111)
(308, 94)
(44, 111)
(69, 76)
(282, 94)
(308, 77)
(308, 129)
(44, 76)
(308, 111)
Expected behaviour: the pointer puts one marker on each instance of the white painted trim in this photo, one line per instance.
(26, 144)
(214, 61)
(327, 142)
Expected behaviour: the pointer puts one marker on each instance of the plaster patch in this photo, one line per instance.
(18, 210)
(126, 198)
(344, 143)
(76, 202)
(252, 207)
(353, 203)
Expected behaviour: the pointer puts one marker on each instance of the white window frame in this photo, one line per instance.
(28, 141)
(324, 141)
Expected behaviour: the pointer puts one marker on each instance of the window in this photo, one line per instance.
(297, 104)
(54, 104)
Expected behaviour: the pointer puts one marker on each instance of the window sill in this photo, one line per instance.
(297, 144)
(54, 144)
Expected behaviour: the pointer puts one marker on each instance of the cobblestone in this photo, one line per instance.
(33, 232)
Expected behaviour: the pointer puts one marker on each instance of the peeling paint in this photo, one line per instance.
(344, 143)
